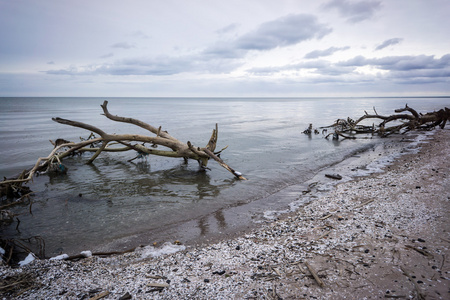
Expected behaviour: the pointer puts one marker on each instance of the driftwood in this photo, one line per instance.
(314, 274)
(104, 142)
(403, 122)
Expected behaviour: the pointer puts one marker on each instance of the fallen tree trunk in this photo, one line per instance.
(172, 147)
(350, 129)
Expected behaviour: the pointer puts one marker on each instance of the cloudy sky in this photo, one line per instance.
(292, 48)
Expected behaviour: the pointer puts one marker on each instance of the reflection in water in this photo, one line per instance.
(142, 166)
(204, 222)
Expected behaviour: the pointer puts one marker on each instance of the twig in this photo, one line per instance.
(19, 201)
(421, 251)
(314, 274)
(326, 217)
(420, 296)
(81, 256)
(445, 240)
(324, 235)
(365, 203)
(158, 285)
(99, 296)
(276, 271)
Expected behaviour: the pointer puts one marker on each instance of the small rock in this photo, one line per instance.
(334, 176)
(219, 272)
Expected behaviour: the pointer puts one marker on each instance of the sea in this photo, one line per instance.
(114, 204)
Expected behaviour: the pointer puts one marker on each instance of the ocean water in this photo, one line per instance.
(94, 206)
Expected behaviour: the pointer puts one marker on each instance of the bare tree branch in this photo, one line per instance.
(136, 142)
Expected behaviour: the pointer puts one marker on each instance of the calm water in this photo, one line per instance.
(122, 199)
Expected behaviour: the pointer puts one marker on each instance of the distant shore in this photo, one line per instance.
(381, 236)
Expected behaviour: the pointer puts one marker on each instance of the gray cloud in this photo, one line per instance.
(158, 66)
(282, 32)
(326, 52)
(136, 66)
(401, 69)
(221, 57)
(122, 45)
(322, 67)
(285, 31)
(107, 55)
(407, 69)
(388, 43)
(354, 12)
(400, 63)
(139, 34)
(227, 29)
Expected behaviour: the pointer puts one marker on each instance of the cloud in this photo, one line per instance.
(407, 69)
(400, 63)
(326, 52)
(122, 45)
(227, 29)
(107, 55)
(137, 66)
(388, 43)
(354, 12)
(321, 67)
(223, 56)
(395, 69)
(139, 34)
(50, 63)
(285, 31)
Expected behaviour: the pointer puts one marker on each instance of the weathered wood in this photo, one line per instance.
(237, 174)
(314, 274)
(412, 120)
(136, 142)
(416, 286)
(100, 295)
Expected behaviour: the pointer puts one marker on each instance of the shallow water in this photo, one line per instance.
(120, 200)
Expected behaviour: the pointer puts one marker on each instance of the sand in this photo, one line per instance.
(381, 236)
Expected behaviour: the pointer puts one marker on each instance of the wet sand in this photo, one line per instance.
(381, 236)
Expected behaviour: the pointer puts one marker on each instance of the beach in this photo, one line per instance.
(385, 235)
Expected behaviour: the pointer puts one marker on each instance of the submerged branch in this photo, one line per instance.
(136, 142)
(349, 129)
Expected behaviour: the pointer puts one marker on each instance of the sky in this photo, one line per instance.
(233, 48)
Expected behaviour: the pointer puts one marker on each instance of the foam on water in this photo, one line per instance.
(167, 248)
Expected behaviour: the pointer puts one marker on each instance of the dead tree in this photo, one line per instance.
(100, 141)
(404, 122)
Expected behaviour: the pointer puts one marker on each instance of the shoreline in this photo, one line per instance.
(228, 223)
(367, 237)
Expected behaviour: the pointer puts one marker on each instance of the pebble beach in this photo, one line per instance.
(381, 236)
